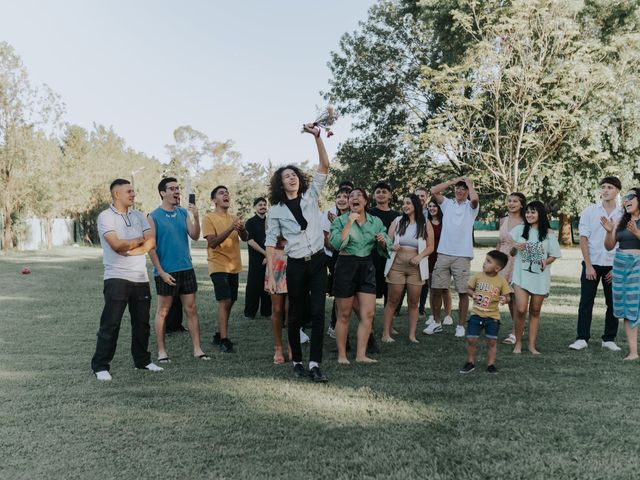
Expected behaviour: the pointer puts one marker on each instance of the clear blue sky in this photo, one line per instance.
(250, 71)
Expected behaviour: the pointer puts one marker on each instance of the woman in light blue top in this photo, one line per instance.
(535, 250)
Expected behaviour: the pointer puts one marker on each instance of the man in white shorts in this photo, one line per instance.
(455, 250)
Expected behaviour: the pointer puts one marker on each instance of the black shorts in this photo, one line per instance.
(353, 274)
(225, 285)
(186, 284)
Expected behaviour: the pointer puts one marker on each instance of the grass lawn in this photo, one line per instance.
(563, 415)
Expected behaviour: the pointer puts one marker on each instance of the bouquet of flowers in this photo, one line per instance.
(325, 119)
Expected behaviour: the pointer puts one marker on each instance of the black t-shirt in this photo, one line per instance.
(387, 216)
(294, 206)
(256, 230)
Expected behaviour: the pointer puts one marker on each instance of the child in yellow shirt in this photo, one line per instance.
(488, 291)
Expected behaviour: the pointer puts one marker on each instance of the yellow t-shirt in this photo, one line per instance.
(226, 256)
(490, 288)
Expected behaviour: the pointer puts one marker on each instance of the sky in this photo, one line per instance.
(249, 71)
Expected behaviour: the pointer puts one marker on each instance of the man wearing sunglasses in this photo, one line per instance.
(597, 265)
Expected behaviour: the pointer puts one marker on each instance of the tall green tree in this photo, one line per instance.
(27, 115)
(520, 95)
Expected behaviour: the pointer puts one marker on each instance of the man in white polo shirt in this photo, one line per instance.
(597, 265)
(125, 237)
(455, 250)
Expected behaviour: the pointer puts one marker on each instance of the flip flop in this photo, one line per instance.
(203, 357)
(164, 360)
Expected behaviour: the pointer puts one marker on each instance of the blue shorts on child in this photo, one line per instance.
(476, 323)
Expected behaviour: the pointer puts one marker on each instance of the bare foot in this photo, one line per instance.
(366, 360)
(344, 361)
(517, 350)
(278, 357)
(631, 357)
(413, 340)
(533, 351)
(387, 340)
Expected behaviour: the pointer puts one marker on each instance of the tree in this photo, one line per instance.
(27, 115)
(519, 95)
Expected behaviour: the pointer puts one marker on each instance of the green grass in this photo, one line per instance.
(563, 415)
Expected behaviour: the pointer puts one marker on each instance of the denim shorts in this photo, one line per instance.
(476, 323)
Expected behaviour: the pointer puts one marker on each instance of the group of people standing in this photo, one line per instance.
(299, 254)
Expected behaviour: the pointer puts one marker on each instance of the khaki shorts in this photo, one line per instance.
(445, 267)
(402, 272)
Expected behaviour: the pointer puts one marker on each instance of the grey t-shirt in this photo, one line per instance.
(127, 226)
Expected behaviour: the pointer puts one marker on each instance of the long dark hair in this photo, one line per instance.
(523, 202)
(435, 202)
(421, 222)
(625, 215)
(276, 187)
(543, 221)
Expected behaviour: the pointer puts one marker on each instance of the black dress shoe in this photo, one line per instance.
(299, 371)
(372, 345)
(216, 338)
(316, 376)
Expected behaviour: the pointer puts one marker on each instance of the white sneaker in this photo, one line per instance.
(611, 346)
(304, 338)
(432, 328)
(330, 331)
(582, 344)
(447, 320)
(459, 331)
(429, 321)
(152, 367)
(103, 375)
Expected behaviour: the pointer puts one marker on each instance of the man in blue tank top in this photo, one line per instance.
(171, 225)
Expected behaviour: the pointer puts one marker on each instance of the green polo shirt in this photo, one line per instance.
(362, 238)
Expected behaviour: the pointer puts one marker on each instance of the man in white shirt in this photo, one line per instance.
(455, 250)
(125, 236)
(597, 265)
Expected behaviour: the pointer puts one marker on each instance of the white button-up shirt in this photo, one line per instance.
(280, 221)
(594, 232)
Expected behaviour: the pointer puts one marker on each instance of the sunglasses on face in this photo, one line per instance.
(629, 196)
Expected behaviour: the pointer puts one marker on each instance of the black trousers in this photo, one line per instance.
(173, 322)
(307, 286)
(118, 294)
(424, 294)
(255, 295)
(588, 291)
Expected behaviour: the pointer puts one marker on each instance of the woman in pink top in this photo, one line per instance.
(516, 204)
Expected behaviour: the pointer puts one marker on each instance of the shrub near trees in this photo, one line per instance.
(535, 96)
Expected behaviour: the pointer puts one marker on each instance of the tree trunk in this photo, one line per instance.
(565, 235)
(7, 241)
(49, 233)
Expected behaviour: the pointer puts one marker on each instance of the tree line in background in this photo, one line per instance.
(49, 169)
(537, 96)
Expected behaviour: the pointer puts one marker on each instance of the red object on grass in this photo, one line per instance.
(26, 271)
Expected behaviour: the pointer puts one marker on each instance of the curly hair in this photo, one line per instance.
(626, 216)
(276, 187)
(543, 221)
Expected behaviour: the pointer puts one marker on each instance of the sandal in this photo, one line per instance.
(164, 360)
(203, 357)
(509, 339)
